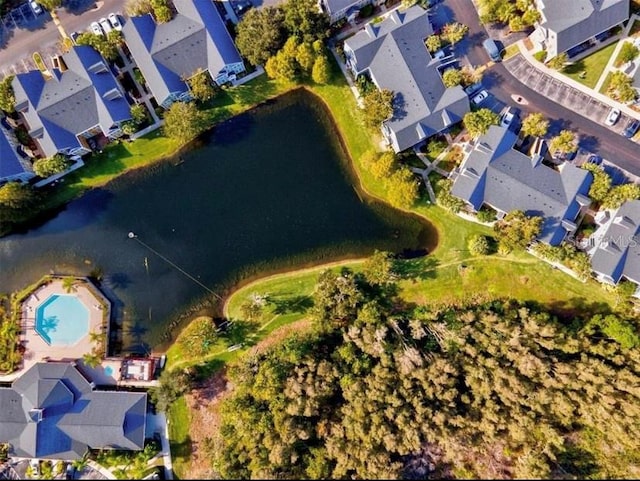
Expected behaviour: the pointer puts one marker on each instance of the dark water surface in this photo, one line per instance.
(267, 190)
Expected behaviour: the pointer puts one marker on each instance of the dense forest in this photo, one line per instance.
(382, 389)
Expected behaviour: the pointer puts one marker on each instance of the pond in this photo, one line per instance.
(266, 191)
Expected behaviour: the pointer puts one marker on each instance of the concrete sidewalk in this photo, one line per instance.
(528, 56)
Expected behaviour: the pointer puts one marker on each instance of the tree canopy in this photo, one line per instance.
(565, 142)
(7, 96)
(621, 87)
(106, 46)
(183, 121)
(517, 230)
(477, 123)
(201, 86)
(382, 390)
(260, 34)
(378, 106)
(452, 77)
(402, 188)
(535, 124)
(51, 165)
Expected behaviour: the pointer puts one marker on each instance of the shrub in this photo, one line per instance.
(478, 245)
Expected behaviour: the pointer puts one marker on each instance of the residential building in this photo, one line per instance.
(497, 175)
(394, 55)
(12, 166)
(615, 245)
(53, 412)
(349, 9)
(568, 23)
(80, 101)
(169, 53)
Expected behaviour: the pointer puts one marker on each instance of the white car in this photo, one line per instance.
(613, 117)
(95, 28)
(115, 21)
(507, 118)
(106, 26)
(477, 100)
(37, 9)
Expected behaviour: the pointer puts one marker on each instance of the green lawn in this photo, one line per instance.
(178, 418)
(510, 51)
(593, 65)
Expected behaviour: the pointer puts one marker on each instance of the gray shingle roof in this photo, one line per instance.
(395, 54)
(51, 411)
(575, 21)
(71, 102)
(506, 179)
(617, 253)
(334, 6)
(196, 38)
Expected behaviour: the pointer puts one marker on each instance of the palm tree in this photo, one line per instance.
(97, 337)
(69, 284)
(91, 359)
(80, 464)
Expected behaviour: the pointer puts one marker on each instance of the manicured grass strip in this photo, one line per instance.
(593, 66)
(605, 84)
(510, 51)
(179, 438)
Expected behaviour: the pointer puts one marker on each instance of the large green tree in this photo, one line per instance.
(601, 182)
(621, 87)
(535, 124)
(452, 77)
(260, 34)
(51, 165)
(321, 71)
(201, 86)
(305, 20)
(284, 66)
(517, 230)
(402, 188)
(477, 123)
(137, 8)
(565, 142)
(7, 96)
(454, 32)
(183, 121)
(378, 106)
(106, 46)
(619, 194)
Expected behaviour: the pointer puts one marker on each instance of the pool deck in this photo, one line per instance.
(37, 349)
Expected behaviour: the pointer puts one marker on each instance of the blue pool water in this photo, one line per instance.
(62, 320)
(108, 370)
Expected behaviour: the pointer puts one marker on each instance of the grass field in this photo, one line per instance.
(593, 66)
(178, 416)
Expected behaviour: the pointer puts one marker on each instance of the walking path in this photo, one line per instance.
(144, 95)
(610, 65)
(103, 471)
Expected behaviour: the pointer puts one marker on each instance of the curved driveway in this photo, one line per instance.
(593, 137)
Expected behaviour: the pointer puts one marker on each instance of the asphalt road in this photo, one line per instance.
(593, 137)
(41, 34)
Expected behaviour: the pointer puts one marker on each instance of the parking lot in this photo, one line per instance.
(562, 93)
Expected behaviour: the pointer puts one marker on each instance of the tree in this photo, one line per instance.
(321, 72)
(173, 384)
(478, 123)
(50, 5)
(478, 245)
(402, 188)
(183, 121)
(305, 56)
(383, 165)
(260, 34)
(161, 11)
(433, 43)
(621, 87)
(628, 53)
(444, 197)
(517, 24)
(620, 194)
(601, 182)
(470, 75)
(535, 125)
(106, 46)
(517, 230)
(198, 336)
(138, 114)
(304, 19)
(51, 165)
(531, 16)
(336, 298)
(378, 106)
(454, 32)
(379, 269)
(559, 61)
(452, 77)
(201, 86)
(283, 66)
(69, 284)
(14, 195)
(7, 96)
(564, 142)
(137, 8)
(91, 359)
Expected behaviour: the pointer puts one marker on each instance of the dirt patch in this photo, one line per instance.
(203, 403)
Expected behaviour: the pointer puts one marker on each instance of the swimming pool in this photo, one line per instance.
(108, 370)
(62, 320)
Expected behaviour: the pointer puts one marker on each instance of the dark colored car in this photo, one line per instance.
(631, 128)
(594, 159)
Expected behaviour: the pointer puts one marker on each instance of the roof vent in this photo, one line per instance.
(624, 221)
(98, 67)
(112, 94)
(370, 29)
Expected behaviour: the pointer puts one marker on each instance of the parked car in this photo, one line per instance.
(115, 21)
(37, 9)
(613, 117)
(507, 118)
(473, 88)
(594, 159)
(492, 49)
(106, 26)
(631, 128)
(479, 98)
(95, 28)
